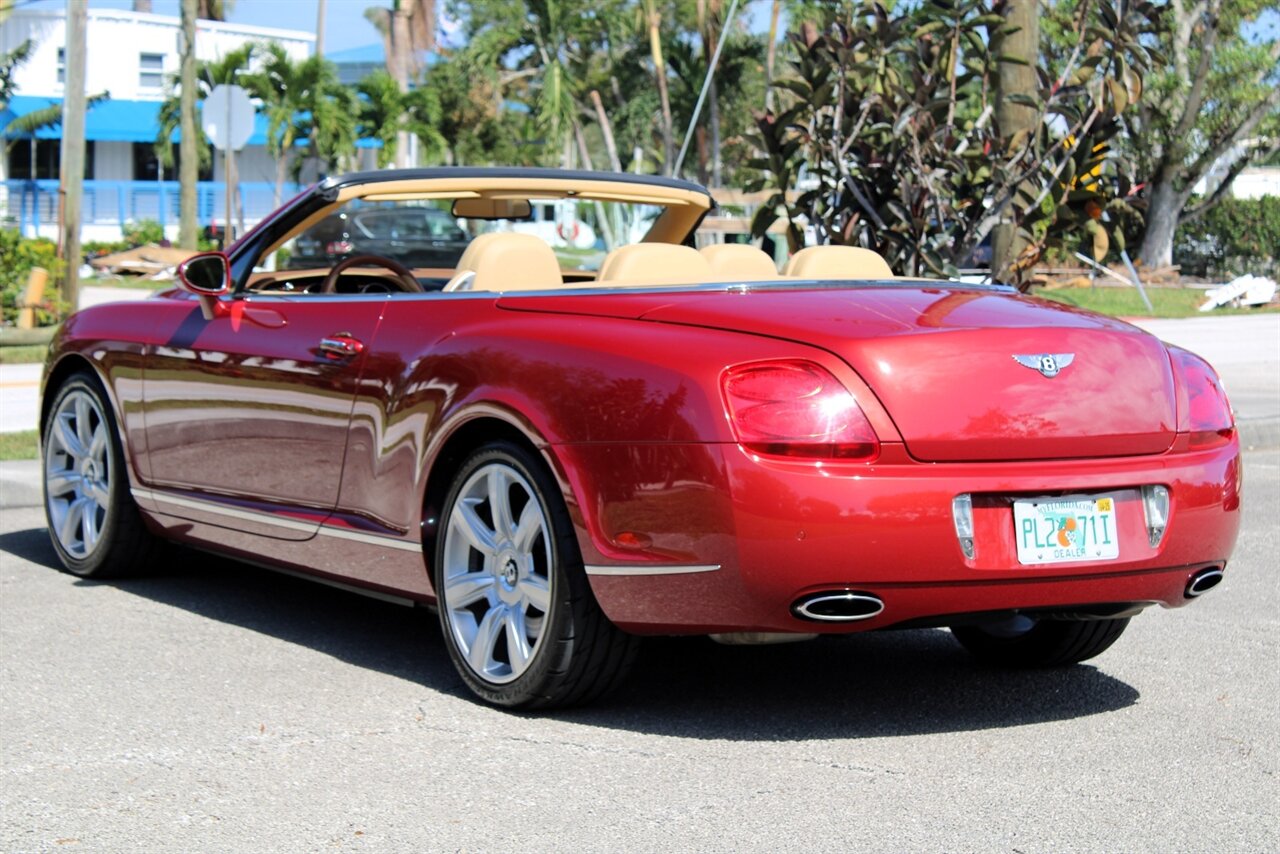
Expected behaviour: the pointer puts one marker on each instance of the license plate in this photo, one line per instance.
(1062, 530)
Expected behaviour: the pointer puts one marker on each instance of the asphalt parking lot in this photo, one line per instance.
(218, 707)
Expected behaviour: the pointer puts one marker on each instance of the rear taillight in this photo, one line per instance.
(1206, 415)
(338, 247)
(795, 408)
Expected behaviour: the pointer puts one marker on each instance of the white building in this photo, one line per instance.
(129, 55)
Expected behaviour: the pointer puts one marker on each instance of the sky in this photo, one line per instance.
(345, 25)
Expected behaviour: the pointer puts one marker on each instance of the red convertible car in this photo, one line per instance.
(564, 453)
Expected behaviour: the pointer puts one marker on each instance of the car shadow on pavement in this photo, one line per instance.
(864, 685)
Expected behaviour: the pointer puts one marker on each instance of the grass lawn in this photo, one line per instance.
(131, 282)
(19, 446)
(23, 354)
(1127, 302)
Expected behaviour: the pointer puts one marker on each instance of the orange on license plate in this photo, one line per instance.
(1067, 529)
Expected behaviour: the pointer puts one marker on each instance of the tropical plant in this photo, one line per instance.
(890, 118)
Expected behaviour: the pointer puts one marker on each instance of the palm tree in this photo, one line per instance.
(385, 111)
(209, 73)
(277, 83)
(408, 29)
(326, 113)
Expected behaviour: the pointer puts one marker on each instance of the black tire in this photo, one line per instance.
(503, 566)
(1047, 643)
(120, 544)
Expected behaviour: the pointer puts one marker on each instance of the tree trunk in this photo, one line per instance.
(771, 53)
(1162, 221)
(606, 128)
(660, 72)
(1014, 79)
(401, 57)
(320, 11)
(713, 119)
(72, 165)
(188, 153)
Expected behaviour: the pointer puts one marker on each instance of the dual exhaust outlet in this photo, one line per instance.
(837, 606)
(851, 606)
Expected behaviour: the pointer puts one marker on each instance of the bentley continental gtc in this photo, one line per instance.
(565, 449)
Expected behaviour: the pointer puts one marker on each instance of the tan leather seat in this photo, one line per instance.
(506, 261)
(653, 264)
(837, 262)
(738, 262)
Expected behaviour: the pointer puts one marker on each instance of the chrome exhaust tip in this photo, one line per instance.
(1203, 581)
(837, 606)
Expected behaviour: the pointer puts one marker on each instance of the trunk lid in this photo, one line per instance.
(942, 362)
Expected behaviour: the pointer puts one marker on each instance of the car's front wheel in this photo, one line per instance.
(518, 615)
(94, 523)
(1024, 641)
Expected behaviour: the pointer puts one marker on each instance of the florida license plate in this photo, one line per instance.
(1062, 530)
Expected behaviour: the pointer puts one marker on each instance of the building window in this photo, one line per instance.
(62, 65)
(39, 159)
(146, 166)
(151, 70)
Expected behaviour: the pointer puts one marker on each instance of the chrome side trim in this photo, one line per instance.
(277, 521)
(370, 539)
(224, 510)
(650, 569)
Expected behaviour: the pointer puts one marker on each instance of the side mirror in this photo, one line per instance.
(208, 276)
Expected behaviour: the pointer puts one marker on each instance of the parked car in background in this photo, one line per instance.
(414, 236)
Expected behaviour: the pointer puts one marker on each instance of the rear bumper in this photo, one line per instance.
(779, 531)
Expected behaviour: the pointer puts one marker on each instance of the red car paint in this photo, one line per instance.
(244, 435)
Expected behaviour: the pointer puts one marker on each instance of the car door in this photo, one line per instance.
(247, 414)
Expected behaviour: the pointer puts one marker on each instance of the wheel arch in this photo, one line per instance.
(68, 364)
(466, 436)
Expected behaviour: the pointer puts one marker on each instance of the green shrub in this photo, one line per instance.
(1234, 237)
(142, 232)
(18, 255)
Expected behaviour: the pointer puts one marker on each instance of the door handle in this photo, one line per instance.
(341, 345)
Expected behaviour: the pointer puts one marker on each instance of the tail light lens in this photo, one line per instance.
(1207, 413)
(796, 408)
(338, 247)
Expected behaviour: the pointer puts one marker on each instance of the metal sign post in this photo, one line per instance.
(228, 122)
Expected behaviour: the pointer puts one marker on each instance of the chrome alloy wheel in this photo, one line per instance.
(497, 573)
(78, 473)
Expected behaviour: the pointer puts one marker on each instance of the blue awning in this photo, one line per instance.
(112, 120)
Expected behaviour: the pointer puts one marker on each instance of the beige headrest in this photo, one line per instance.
(654, 264)
(738, 262)
(506, 261)
(837, 262)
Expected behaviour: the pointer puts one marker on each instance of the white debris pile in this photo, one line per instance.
(1248, 290)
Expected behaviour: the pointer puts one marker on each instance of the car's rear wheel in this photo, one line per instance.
(1024, 641)
(94, 523)
(518, 616)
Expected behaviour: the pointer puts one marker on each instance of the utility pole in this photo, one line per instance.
(1014, 78)
(188, 150)
(72, 162)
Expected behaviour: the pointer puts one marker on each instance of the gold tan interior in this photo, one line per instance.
(506, 261)
(837, 262)
(653, 264)
(738, 262)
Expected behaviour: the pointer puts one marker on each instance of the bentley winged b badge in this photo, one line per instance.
(1049, 364)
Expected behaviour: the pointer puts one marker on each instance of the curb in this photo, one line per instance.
(20, 484)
